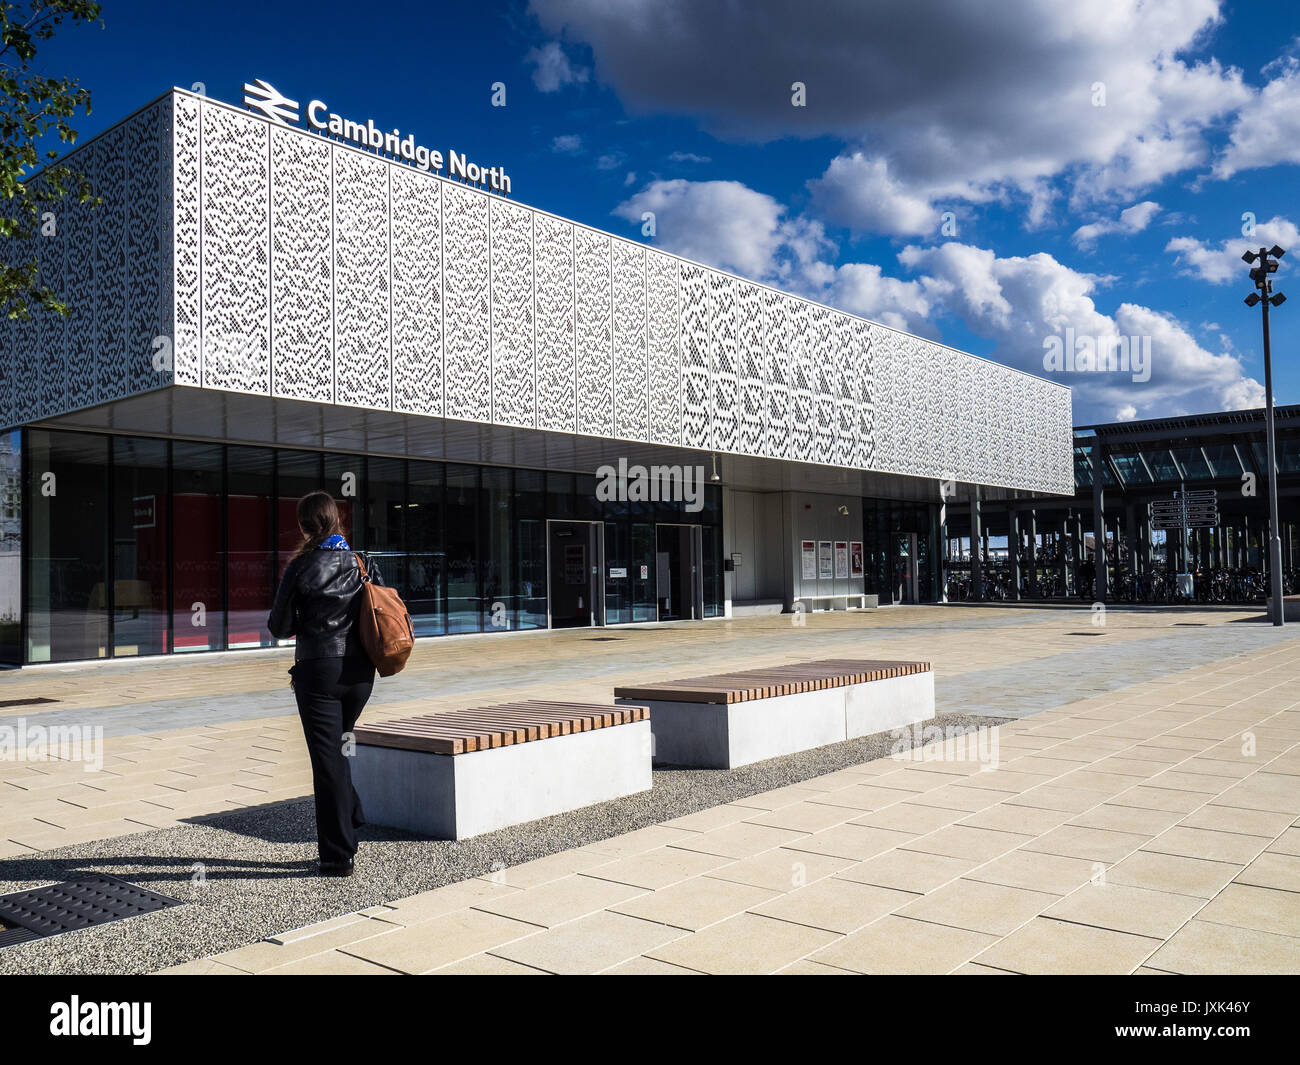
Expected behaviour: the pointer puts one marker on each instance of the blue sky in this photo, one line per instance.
(1093, 161)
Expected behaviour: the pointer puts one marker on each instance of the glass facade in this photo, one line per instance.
(141, 504)
(11, 548)
(901, 551)
(124, 546)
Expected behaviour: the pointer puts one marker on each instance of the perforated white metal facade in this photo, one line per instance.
(277, 262)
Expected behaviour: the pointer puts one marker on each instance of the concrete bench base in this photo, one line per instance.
(727, 735)
(455, 796)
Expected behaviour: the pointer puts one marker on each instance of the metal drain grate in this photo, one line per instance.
(25, 702)
(1085, 634)
(49, 911)
(603, 639)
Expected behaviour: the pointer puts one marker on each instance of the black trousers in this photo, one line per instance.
(331, 693)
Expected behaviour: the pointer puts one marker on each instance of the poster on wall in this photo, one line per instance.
(809, 556)
(825, 567)
(841, 559)
(856, 568)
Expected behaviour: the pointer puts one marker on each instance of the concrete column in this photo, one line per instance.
(976, 546)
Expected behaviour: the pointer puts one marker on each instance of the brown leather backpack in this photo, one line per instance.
(384, 625)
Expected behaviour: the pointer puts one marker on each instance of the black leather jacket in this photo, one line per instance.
(318, 602)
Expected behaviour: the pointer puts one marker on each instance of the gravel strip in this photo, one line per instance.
(248, 874)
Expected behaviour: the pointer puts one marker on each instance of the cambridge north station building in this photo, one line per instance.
(261, 308)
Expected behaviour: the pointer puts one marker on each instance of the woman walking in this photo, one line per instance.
(318, 601)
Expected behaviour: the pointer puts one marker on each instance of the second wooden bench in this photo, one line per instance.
(730, 719)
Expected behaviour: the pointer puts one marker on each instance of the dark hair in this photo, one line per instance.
(318, 515)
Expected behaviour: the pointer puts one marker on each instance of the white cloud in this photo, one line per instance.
(858, 191)
(728, 225)
(1267, 129)
(862, 288)
(688, 157)
(1221, 263)
(1014, 301)
(567, 143)
(938, 102)
(1131, 220)
(552, 69)
(1019, 301)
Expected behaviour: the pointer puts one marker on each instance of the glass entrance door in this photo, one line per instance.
(679, 577)
(906, 585)
(575, 562)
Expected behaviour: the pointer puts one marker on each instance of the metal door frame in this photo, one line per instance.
(697, 564)
(596, 540)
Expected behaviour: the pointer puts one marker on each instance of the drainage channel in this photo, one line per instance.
(50, 911)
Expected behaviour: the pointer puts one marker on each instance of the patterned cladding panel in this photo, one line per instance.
(279, 261)
(302, 268)
(149, 207)
(466, 304)
(825, 370)
(631, 368)
(186, 266)
(109, 155)
(79, 294)
(694, 345)
(362, 281)
(416, 218)
(778, 344)
(665, 364)
(724, 328)
(594, 311)
(236, 320)
(803, 403)
(53, 370)
(513, 369)
(21, 343)
(752, 368)
(556, 353)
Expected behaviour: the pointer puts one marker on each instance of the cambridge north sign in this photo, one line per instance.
(264, 98)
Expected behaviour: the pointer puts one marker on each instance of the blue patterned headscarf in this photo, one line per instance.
(334, 543)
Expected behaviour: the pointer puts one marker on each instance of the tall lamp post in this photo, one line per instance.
(1264, 263)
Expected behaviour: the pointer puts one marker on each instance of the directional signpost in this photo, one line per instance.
(1187, 510)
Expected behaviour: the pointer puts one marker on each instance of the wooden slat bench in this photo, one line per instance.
(731, 719)
(471, 771)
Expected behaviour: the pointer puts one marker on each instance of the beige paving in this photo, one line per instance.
(154, 779)
(1091, 849)
(1153, 829)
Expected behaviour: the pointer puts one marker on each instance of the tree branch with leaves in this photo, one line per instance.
(32, 107)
